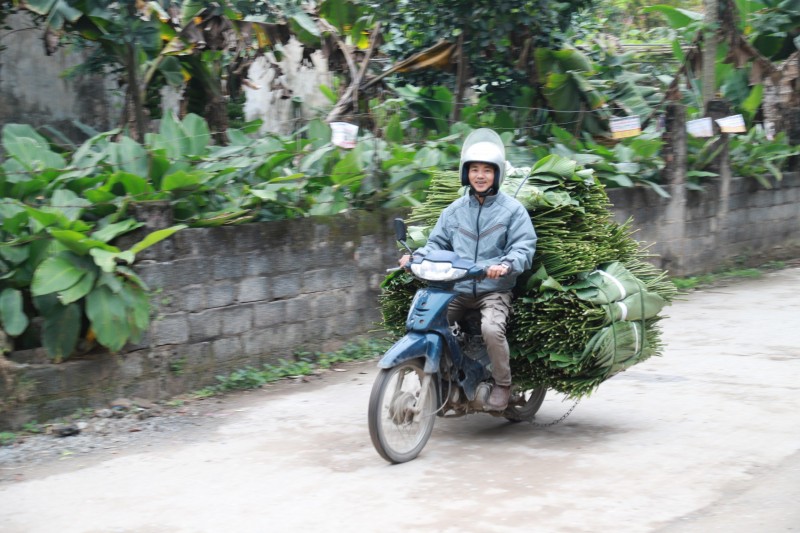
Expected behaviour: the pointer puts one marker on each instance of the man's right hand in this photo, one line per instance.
(403, 260)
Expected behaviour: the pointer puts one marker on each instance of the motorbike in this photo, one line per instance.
(435, 369)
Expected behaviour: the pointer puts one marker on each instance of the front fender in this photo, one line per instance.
(413, 345)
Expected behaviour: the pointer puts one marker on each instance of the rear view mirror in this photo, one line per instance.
(400, 229)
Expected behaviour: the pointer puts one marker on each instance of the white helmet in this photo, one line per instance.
(484, 146)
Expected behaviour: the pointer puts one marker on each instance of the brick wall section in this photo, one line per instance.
(232, 297)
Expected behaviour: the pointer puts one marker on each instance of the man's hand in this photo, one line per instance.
(403, 260)
(497, 271)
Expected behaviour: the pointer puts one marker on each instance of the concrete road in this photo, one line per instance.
(705, 438)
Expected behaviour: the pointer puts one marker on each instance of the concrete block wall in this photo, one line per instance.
(750, 226)
(264, 289)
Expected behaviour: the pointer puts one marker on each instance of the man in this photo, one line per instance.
(494, 230)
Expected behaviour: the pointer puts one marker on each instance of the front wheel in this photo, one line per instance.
(402, 409)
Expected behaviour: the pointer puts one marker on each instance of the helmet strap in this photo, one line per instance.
(488, 192)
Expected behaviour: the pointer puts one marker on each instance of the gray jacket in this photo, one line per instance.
(499, 231)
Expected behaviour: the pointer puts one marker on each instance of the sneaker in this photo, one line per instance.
(498, 399)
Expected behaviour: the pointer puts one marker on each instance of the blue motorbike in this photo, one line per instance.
(435, 369)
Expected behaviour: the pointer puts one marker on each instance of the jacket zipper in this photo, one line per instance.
(477, 246)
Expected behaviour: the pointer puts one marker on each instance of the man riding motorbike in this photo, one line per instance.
(495, 231)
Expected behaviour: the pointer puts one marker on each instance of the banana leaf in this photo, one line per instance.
(609, 284)
(637, 306)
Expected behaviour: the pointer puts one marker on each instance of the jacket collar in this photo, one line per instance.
(487, 201)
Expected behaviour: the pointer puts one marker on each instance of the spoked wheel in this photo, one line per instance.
(402, 411)
(524, 404)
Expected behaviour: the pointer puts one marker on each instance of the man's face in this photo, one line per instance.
(481, 176)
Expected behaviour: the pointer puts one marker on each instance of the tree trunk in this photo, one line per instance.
(710, 51)
(217, 118)
(461, 79)
(135, 94)
(132, 65)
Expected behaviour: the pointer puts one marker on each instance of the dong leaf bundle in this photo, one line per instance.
(588, 308)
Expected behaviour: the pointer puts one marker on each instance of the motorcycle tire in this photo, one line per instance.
(527, 411)
(397, 431)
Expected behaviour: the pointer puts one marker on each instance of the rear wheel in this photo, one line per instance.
(524, 404)
(402, 409)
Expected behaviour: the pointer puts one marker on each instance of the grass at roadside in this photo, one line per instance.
(304, 363)
(714, 278)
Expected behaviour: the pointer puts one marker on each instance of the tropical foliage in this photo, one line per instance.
(499, 37)
(57, 257)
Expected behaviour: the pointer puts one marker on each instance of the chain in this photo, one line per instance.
(558, 420)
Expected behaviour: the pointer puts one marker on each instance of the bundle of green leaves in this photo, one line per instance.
(562, 334)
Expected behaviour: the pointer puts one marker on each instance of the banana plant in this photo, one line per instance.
(576, 102)
(754, 155)
(65, 270)
(58, 220)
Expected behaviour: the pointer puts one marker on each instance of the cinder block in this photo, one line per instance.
(348, 323)
(221, 293)
(236, 319)
(170, 329)
(226, 349)
(298, 309)
(317, 280)
(330, 303)
(269, 314)
(324, 254)
(149, 389)
(130, 367)
(343, 278)
(245, 238)
(205, 326)
(289, 337)
(285, 286)
(192, 242)
(151, 273)
(197, 356)
(226, 266)
(218, 241)
(60, 407)
(39, 380)
(288, 259)
(194, 298)
(257, 263)
(253, 289)
(192, 270)
(369, 255)
(257, 342)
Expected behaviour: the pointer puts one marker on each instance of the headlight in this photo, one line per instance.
(437, 271)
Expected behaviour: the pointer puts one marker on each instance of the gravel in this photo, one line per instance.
(122, 426)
